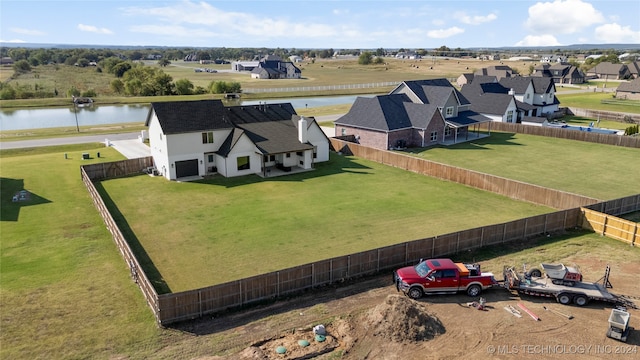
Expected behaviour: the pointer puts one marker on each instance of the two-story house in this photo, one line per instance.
(273, 67)
(198, 138)
(539, 92)
(415, 114)
(561, 73)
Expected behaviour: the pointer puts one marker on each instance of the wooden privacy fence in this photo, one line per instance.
(235, 294)
(109, 170)
(137, 272)
(514, 189)
(611, 226)
(175, 307)
(606, 139)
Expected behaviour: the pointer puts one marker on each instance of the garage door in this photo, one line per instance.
(186, 168)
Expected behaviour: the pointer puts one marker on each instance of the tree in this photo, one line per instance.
(164, 62)
(184, 87)
(365, 58)
(21, 66)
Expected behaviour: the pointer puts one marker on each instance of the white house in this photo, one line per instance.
(198, 138)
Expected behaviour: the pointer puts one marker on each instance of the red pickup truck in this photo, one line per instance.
(442, 276)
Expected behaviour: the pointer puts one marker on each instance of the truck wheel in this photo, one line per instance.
(580, 300)
(474, 290)
(415, 293)
(535, 273)
(564, 298)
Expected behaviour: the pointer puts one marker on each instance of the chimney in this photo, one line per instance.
(302, 130)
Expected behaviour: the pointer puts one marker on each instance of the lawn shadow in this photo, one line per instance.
(14, 197)
(153, 274)
(337, 164)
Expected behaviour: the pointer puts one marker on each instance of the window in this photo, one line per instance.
(449, 111)
(447, 131)
(434, 135)
(510, 116)
(243, 163)
(288, 155)
(210, 158)
(207, 137)
(344, 131)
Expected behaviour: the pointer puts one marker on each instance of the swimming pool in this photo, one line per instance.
(587, 129)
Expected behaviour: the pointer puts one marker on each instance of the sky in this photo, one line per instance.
(321, 24)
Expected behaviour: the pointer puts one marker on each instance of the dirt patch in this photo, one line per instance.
(371, 320)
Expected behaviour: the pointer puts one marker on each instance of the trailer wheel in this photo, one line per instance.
(535, 273)
(415, 293)
(565, 298)
(580, 300)
(474, 290)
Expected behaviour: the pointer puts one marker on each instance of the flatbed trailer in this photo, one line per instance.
(579, 294)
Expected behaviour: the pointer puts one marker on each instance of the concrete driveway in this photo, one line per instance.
(131, 149)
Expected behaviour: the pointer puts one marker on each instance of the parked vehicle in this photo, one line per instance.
(580, 293)
(442, 276)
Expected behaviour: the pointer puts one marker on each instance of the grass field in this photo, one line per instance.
(229, 229)
(65, 289)
(600, 171)
(66, 292)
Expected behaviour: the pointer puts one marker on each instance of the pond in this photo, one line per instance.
(23, 119)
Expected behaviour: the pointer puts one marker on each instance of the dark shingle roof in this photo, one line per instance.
(384, 112)
(243, 114)
(434, 91)
(487, 98)
(275, 137)
(178, 117)
(631, 86)
(519, 84)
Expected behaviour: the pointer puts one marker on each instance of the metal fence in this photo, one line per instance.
(322, 88)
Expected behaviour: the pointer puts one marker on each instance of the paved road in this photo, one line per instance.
(128, 144)
(67, 140)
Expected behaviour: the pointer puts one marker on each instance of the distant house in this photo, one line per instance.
(191, 139)
(561, 73)
(629, 90)
(538, 93)
(408, 55)
(415, 114)
(499, 71)
(610, 71)
(492, 100)
(6, 61)
(553, 58)
(273, 67)
(244, 65)
(634, 69)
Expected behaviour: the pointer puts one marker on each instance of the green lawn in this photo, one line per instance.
(600, 171)
(228, 229)
(66, 292)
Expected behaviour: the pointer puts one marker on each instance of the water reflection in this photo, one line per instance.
(22, 119)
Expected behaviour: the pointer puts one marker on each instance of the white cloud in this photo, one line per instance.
(444, 33)
(339, 12)
(12, 41)
(27, 31)
(203, 20)
(475, 20)
(538, 40)
(562, 17)
(94, 29)
(614, 33)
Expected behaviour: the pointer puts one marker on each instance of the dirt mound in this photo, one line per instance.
(401, 319)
